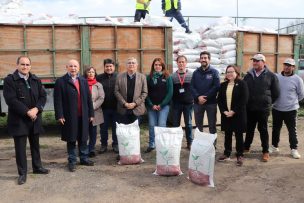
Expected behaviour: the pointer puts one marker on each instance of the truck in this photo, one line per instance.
(51, 46)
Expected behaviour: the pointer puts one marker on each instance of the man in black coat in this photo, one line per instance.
(25, 97)
(74, 111)
(264, 89)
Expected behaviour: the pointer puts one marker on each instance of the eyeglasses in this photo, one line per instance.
(131, 63)
(25, 64)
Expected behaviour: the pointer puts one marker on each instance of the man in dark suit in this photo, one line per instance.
(74, 111)
(25, 97)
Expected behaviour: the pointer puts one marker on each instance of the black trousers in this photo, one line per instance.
(20, 151)
(140, 14)
(254, 118)
(290, 120)
(239, 143)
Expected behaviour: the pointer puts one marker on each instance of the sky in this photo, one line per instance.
(246, 8)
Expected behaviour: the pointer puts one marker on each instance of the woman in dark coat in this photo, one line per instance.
(232, 99)
(74, 111)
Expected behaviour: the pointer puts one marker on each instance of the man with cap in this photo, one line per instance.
(264, 89)
(285, 107)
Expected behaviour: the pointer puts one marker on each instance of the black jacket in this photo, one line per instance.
(108, 84)
(263, 90)
(20, 99)
(65, 104)
(238, 121)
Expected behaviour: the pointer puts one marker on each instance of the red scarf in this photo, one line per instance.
(91, 82)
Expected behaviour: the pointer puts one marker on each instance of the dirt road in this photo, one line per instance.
(279, 180)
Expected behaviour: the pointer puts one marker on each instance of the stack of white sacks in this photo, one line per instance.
(219, 39)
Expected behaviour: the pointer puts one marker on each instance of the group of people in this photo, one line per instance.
(82, 103)
(171, 9)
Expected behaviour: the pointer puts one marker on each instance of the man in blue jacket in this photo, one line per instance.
(205, 84)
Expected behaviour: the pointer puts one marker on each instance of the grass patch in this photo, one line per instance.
(301, 111)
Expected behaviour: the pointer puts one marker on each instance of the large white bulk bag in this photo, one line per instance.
(168, 143)
(128, 137)
(202, 158)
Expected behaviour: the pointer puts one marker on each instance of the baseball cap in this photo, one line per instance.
(259, 57)
(290, 61)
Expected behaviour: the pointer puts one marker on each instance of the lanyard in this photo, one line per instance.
(181, 80)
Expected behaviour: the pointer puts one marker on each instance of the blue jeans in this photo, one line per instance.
(92, 137)
(156, 118)
(186, 109)
(178, 16)
(110, 118)
(82, 150)
(199, 111)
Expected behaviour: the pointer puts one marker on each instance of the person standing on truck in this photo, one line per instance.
(263, 86)
(131, 91)
(142, 8)
(286, 106)
(109, 106)
(160, 91)
(205, 84)
(182, 100)
(98, 95)
(74, 112)
(25, 97)
(172, 9)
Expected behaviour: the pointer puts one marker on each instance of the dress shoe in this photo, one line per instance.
(115, 149)
(41, 171)
(72, 167)
(149, 149)
(92, 154)
(103, 149)
(87, 163)
(22, 179)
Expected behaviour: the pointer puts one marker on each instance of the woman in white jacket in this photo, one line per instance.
(98, 95)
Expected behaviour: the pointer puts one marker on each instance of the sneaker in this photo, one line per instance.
(239, 161)
(115, 149)
(273, 149)
(295, 154)
(265, 157)
(103, 149)
(224, 158)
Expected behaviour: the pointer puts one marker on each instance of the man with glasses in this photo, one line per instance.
(264, 89)
(286, 106)
(131, 91)
(25, 97)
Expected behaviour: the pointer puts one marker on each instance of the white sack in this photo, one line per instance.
(128, 137)
(168, 143)
(202, 158)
